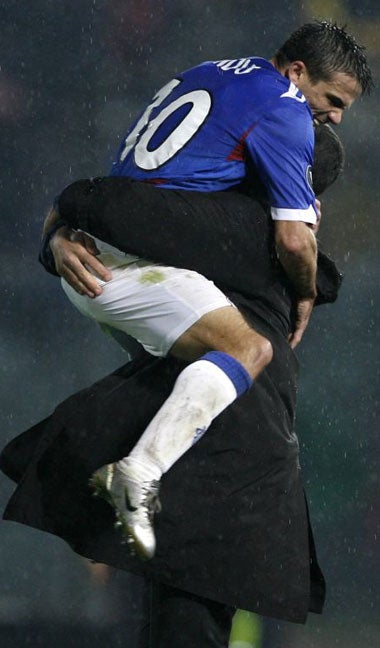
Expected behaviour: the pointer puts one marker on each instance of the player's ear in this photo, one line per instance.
(296, 71)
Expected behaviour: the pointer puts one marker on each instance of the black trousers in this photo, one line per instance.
(177, 619)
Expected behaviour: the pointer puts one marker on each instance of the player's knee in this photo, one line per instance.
(266, 351)
(259, 353)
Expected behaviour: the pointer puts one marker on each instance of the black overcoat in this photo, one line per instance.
(234, 525)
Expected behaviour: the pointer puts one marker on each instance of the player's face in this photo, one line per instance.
(329, 99)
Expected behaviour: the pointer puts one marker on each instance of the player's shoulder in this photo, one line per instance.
(289, 109)
(286, 117)
(255, 78)
(292, 108)
(253, 85)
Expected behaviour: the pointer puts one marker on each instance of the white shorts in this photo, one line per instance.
(154, 304)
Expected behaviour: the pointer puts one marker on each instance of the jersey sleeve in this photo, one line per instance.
(281, 145)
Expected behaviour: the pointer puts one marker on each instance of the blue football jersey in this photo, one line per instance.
(204, 129)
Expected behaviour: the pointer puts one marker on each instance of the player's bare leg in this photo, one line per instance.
(225, 330)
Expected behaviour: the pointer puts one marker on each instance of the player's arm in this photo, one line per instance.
(297, 252)
(281, 146)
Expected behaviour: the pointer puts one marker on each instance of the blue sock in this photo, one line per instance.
(238, 375)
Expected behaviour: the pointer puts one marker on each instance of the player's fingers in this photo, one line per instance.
(98, 267)
(82, 288)
(73, 269)
(84, 250)
(78, 259)
(296, 337)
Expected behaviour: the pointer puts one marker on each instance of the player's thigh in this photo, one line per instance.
(224, 329)
(152, 303)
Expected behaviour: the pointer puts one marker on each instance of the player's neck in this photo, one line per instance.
(275, 64)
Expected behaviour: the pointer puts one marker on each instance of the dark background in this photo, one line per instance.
(72, 77)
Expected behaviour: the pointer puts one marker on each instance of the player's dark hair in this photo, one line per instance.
(328, 157)
(325, 48)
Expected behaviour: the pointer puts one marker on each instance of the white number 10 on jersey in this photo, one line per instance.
(138, 139)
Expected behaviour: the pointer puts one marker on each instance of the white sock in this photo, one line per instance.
(201, 392)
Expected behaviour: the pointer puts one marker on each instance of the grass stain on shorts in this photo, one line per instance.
(152, 276)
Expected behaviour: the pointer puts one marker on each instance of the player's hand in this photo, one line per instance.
(74, 255)
(304, 310)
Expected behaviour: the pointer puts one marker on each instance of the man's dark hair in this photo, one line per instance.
(328, 158)
(325, 48)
